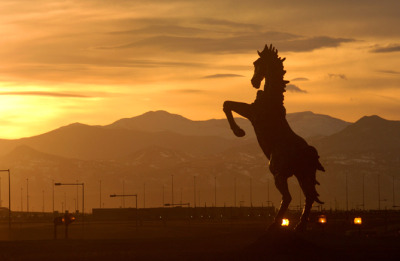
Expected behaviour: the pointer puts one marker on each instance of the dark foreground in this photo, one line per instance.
(239, 240)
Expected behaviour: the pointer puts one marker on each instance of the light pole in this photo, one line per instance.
(251, 192)
(268, 192)
(9, 197)
(43, 201)
(394, 205)
(65, 200)
(194, 194)
(27, 196)
(347, 195)
(234, 194)
(22, 209)
(128, 195)
(363, 191)
(77, 195)
(172, 185)
(123, 192)
(100, 193)
(53, 196)
(215, 191)
(379, 192)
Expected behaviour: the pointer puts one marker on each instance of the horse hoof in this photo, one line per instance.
(239, 132)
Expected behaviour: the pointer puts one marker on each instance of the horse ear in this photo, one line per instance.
(259, 53)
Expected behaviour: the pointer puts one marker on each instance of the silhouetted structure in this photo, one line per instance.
(66, 220)
(289, 154)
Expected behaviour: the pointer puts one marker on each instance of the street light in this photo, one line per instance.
(128, 195)
(9, 197)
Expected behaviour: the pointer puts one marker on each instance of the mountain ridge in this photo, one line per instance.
(111, 141)
(306, 124)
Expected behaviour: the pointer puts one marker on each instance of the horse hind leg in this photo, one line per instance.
(307, 183)
(282, 185)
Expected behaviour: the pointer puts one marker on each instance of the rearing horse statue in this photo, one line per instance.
(288, 153)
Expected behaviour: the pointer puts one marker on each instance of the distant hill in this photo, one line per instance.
(158, 128)
(156, 121)
(306, 124)
(93, 142)
(368, 134)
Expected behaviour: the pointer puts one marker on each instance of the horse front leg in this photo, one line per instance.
(240, 108)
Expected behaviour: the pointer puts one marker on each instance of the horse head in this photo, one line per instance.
(259, 72)
(268, 57)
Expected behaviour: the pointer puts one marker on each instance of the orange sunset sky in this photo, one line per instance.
(95, 62)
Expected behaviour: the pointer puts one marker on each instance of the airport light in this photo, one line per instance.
(322, 219)
(9, 197)
(357, 221)
(285, 222)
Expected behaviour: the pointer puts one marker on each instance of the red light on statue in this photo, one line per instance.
(285, 222)
(357, 221)
(322, 219)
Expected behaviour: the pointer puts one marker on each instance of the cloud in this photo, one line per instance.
(393, 99)
(299, 79)
(228, 23)
(161, 30)
(228, 75)
(312, 43)
(187, 91)
(389, 71)
(337, 76)
(386, 49)
(48, 94)
(240, 43)
(294, 88)
(154, 63)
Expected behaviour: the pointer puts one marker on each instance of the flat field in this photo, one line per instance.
(184, 240)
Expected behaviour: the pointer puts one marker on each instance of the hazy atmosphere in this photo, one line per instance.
(97, 61)
(175, 130)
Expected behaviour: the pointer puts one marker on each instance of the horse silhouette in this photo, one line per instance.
(288, 153)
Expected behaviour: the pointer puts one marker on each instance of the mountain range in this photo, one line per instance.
(143, 153)
(159, 128)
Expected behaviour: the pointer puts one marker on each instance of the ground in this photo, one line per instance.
(190, 240)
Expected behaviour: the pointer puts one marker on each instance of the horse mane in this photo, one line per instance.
(274, 83)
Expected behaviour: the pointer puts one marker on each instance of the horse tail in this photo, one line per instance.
(319, 166)
(312, 181)
(313, 154)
